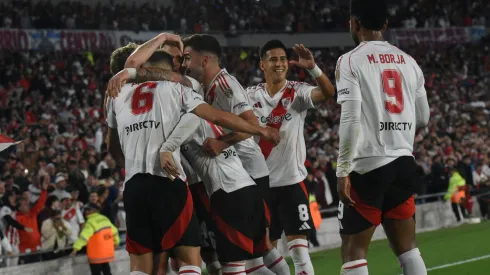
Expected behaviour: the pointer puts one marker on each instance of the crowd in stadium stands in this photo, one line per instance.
(233, 16)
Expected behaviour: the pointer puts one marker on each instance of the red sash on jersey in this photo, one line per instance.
(217, 131)
(70, 214)
(279, 111)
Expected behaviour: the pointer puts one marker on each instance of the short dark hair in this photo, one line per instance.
(119, 57)
(160, 56)
(273, 44)
(203, 43)
(371, 14)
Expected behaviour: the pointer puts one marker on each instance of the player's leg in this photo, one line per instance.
(139, 235)
(398, 218)
(295, 213)
(272, 259)
(234, 228)
(357, 223)
(202, 207)
(179, 226)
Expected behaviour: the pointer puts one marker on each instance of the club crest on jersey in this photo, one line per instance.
(286, 102)
(228, 92)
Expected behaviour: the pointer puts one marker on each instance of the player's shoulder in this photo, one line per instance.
(195, 84)
(257, 89)
(296, 85)
(229, 80)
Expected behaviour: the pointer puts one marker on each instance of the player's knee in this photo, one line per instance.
(189, 255)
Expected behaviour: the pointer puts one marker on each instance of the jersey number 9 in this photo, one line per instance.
(392, 86)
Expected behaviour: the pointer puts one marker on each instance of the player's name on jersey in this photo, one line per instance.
(272, 119)
(142, 125)
(395, 126)
(386, 58)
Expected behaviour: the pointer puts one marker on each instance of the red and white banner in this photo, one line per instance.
(58, 40)
(451, 35)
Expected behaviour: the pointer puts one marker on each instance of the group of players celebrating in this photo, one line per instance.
(214, 172)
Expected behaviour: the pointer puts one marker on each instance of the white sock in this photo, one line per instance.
(275, 262)
(358, 267)
(214, 268)
(256, 267)
(233, 268)
(189, 270)
(299, 254)
(137, 273)
(412, 263)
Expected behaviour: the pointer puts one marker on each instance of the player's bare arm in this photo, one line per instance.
(213, 147)
(144, 51)
(325, 89)
(114, 147)
(144, 74)
(235, 123)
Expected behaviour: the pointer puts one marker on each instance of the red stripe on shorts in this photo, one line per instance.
(177, 230)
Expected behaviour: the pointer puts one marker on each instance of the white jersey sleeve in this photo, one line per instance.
(230, 95)
(303, 92)
(348, 87)
(190, 99)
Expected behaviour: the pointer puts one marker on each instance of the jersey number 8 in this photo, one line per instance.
(392, 86)
(142, 101)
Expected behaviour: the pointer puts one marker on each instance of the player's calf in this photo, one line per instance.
(298, 248)
(358, 267)
(257, 267)
(274, 261)
(233, 268)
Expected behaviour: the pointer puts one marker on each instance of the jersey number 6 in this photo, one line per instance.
(142, 101)
(392, 86)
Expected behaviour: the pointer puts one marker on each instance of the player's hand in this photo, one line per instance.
(175, 38)
(305, 57)
(272, 135)
(168, 165)
(28, 230)
(343, 188)
(213, 147)
(116, 82)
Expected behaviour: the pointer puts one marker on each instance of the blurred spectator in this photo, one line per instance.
(52, 204)
(27, 216)
(76, 179)
(60, 191)
(56, 233)
(72, 214)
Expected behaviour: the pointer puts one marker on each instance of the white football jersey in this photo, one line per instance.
(221, 172)
(74, 217)
(144, 116)
(286, 111)
(387, 81)
(226, 94)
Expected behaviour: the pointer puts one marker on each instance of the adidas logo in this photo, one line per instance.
(302, 273)
(305, 226)
(257, 105)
